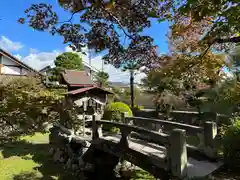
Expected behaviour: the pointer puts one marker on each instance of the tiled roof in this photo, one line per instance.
(81, 90)
(77, 78)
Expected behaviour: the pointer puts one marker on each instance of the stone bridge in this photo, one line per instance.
(157, 146)
(160, 147)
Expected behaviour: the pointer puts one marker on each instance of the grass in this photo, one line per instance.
(28, 159)
(140, 174)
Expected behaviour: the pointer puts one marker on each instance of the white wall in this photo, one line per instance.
(25, 72)
(10, 69)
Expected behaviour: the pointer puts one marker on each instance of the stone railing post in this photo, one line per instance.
(124, 137)
(96, 128)
(210, 132)
(123, 117)
(177, 153)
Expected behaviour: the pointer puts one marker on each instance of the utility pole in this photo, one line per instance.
(90, 61)
(132, 87)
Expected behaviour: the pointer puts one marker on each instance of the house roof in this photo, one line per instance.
(77, 78)
(45, 68)
(82, 90)
(6, 54)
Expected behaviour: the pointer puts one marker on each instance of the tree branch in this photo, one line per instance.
(119, 23)
(70, 19)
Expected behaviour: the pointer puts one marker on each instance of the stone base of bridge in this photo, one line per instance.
(103, 163)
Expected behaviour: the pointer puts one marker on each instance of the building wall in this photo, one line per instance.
(89, 71)
(11, 69)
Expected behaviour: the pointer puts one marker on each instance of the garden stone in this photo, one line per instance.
(51, 151)
(80, 161)
(81, 176)
(74, 166)
(57, 155)
(62, 159)
(69, 163)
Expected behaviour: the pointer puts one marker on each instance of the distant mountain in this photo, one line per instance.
(119, 84)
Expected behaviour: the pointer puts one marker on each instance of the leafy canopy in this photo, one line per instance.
(104, 25)
(102, 78)
(26, 104)
(67, 61)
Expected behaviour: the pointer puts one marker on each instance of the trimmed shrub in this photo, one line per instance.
(113, 112)
(231, 144)
(138, 108)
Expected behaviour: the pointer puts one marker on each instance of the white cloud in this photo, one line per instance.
(33, 51)
(40, 60)
(18, 56)
(115, 75)
(9, 45)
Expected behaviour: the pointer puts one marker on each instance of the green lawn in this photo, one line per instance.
(28, 159)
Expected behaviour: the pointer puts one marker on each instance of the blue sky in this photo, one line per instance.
(40, 48)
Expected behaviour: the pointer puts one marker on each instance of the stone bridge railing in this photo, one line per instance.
(174, 142)
(206, 134)
(171, 135)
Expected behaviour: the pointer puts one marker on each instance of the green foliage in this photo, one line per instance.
(113, 112)
(127, 93)
(224, 98)
(117, 93)
(102, 78)
(140, 174)
(138, 107)
(231, 145)
(166, 101)
(67, 60)
(26, 104)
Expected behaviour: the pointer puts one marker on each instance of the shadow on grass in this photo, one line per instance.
(26, 176)
(225, 173)
(39, 153)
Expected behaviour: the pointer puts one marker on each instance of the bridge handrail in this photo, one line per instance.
(190, 129)
(175, 143)
(208, 133)
(159, 138)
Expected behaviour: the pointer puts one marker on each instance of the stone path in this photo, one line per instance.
(195, 168)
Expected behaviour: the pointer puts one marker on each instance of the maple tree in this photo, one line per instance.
(197, 28)
(103, 25)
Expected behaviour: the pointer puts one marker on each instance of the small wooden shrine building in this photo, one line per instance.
(84, 94)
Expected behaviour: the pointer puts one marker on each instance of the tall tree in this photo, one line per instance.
(102, 78)
(68, 61)
(103, 25)
(117, 26)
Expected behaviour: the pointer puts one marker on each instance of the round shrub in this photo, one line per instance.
(113, 112)
(138, 108)
(231, 144)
